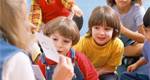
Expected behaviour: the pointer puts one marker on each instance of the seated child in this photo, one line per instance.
(64, 34)
(146, 51)
(101, 43)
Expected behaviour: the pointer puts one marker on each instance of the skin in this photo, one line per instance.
(142, 61)
(123, 5)
(134, 50)
(64, 70)
(102, 34)
(61, 43)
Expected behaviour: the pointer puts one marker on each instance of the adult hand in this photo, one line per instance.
(64, 69)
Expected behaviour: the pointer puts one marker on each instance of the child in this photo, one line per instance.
(51, 9)
(131, 15)
(146, 50)
(14, 39)
(101, 43)
(64, 33)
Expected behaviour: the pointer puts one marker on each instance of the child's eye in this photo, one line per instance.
(108, 28)
(55, 39)
(66, 41)
(96, 27)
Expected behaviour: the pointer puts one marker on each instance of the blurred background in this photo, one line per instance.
(88, 5)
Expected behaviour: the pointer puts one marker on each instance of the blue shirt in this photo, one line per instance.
(146, 50)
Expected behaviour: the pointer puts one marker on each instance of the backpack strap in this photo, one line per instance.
(77, 71)
(49, 69)
(72, 55)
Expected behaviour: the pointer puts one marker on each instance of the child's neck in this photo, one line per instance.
(124, 10)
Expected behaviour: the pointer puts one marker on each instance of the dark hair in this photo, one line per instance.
(112, 2)
(66, 28)
(79, 21)
(104, 16)
(146, 19)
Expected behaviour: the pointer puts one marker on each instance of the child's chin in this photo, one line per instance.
(101, 43)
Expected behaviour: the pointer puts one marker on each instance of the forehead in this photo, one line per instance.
(103, 25)
(58, 35)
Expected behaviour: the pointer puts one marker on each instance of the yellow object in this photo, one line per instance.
(35, 15)
(67, 3)
(108, 56)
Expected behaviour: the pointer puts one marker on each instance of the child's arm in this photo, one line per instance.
(136, 65)
(34, 51)
(70, 4)
(76, 10)
(104, 70)
(132, 35)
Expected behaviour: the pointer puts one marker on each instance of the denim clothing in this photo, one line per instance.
(50, 68)
(109, 76)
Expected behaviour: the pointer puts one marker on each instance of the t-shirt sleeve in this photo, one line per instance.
(146, 50)
(140, 11)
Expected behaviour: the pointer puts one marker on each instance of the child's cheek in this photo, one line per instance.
(109, 33)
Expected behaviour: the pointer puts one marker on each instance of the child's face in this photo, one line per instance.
(123, 3)
(147, 33)
(61, 43)
(102, 34)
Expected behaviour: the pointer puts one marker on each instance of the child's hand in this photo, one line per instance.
(132, 68)
(34, 51)
(64, 69)
(77, 11)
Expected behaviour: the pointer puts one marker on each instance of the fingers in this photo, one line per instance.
(131, 68)
(77, 11)
(66, 62)
(62, 59)
(64, 69)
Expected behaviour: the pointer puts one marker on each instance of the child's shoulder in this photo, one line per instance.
(117, 41)
(137, 8)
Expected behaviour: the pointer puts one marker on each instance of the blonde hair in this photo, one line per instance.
(12, 18)
(66, 28)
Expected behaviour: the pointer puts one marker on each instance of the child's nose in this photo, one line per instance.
(59, 44)
(101, 31)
